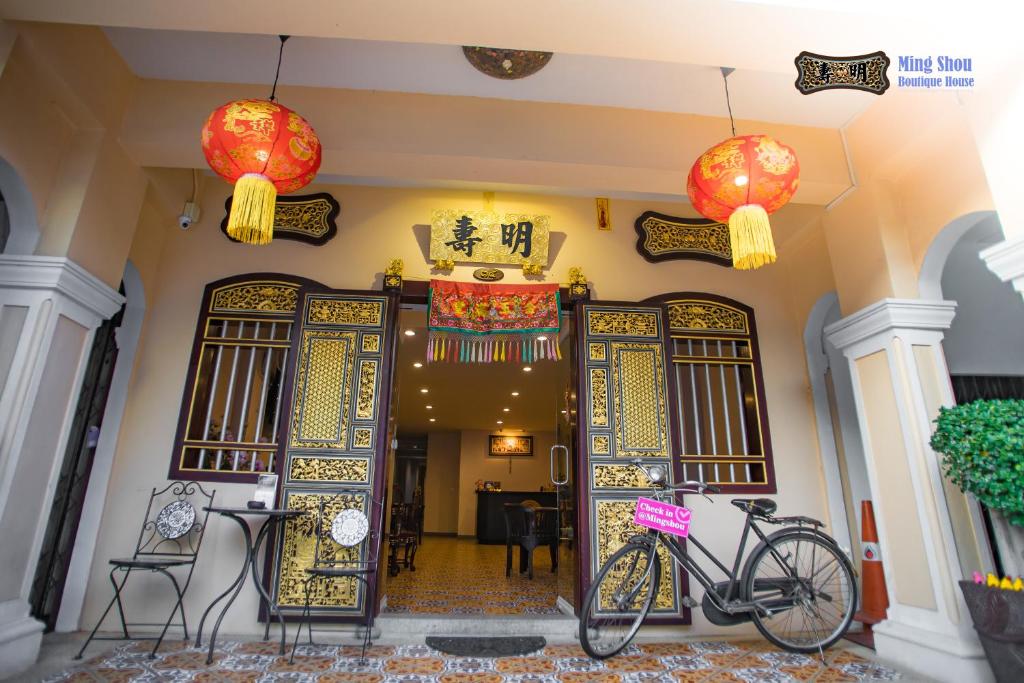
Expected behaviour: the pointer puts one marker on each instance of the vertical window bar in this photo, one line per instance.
(742, 411)
(213, 395)
(725, 411)
(244, 413)
(230, 397)
(277, 406)
(263, 396)
(693, 391)
(711, 407)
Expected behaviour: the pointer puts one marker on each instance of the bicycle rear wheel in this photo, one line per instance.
(618, 600)
(807, 584)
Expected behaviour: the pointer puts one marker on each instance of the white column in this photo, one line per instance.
(49, 310)
(929, 532)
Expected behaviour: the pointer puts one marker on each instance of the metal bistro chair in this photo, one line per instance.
(171, 535)
(342, 532)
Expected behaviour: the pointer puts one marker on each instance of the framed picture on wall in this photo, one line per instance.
(502, 446)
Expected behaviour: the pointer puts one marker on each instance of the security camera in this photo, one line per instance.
(189, 215)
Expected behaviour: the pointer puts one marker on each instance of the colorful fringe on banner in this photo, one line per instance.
(481, 323)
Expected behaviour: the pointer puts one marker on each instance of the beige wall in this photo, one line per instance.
(441, 488)
(524, 474)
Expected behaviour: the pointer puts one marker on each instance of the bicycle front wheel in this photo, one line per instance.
(806, 588)
(618, 600)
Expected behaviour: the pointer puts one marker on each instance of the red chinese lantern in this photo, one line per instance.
(263, 148)
(740, 181)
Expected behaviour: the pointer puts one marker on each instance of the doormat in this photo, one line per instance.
(501, 646)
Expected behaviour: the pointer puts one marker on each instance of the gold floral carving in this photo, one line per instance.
(299, 545)
(309, 217)
(395, 267)
(599, 397)
(371, 343)
(362, 437)
(622, 323)
(600, 445)
(322, 388)
(614, 528)
(576, 276)
(705, 316)
(608, 476)
(329, 469)
(661, 237)
(597, 351)
(261, 296)
(367, 394)
(638, 388)
(330, 311)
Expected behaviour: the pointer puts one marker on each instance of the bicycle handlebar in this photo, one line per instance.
(691, 486)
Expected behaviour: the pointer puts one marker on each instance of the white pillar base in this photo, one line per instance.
(938, 656)
(20, 638)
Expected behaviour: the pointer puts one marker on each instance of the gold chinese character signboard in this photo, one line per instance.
(488, 237)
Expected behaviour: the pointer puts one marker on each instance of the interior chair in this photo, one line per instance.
(404, 535)
(344, 534)
(171, 535)
(529, 528)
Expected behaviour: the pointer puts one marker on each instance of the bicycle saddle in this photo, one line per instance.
(760, 507)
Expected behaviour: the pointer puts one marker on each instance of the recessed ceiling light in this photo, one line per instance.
(433, 419)
(527, 368)
(504, 410)
(432, 407)
(410, 333)
(563, 412)
(515, 393)
(542, 338)
(417, 364)
(424, 390)
(501, 422)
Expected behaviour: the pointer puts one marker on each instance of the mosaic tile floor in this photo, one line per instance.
(460, 576)
(708, 661)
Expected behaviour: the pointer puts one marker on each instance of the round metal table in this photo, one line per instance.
(271, 519)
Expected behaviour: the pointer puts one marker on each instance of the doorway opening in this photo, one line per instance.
(480, 448)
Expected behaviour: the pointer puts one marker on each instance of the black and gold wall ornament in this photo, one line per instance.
(661, 237)
(309, 218)
(393, 275)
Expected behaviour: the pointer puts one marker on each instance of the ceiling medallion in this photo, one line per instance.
(506, 64)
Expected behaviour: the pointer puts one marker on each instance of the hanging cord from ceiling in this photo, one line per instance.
(277, 74)
(728, 103)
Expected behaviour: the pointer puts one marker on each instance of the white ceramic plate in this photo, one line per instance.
(349, 527)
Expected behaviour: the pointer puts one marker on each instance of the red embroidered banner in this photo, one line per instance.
(473, 322)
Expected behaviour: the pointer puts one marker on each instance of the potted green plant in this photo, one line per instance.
(982, 447)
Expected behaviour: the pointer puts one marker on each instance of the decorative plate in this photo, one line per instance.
(349, 527)
(176, 519)
(506, 64)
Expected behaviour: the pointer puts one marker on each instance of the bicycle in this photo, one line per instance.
(797, 602)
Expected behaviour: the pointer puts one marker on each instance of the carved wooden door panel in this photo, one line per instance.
(335, 437)
(625, 411)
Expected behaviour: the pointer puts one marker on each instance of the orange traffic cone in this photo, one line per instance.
(874, 600)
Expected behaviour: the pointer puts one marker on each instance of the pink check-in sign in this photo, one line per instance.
(666, 517)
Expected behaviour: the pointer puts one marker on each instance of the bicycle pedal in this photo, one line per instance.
(690, 603)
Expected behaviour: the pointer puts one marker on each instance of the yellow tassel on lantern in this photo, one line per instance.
(1018, 585)
(1006, 584)
(252, 210)
(992, 581)
(750, 235)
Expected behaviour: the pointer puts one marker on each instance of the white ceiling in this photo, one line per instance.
(443, 70)
(472, 396)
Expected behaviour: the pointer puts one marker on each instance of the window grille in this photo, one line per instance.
(721, 406)
(230, 419)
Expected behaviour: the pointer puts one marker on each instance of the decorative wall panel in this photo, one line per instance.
(627, 394)
(310, 218)
(338, 401)
(706, 316)
(661, 237)
(269, 296)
